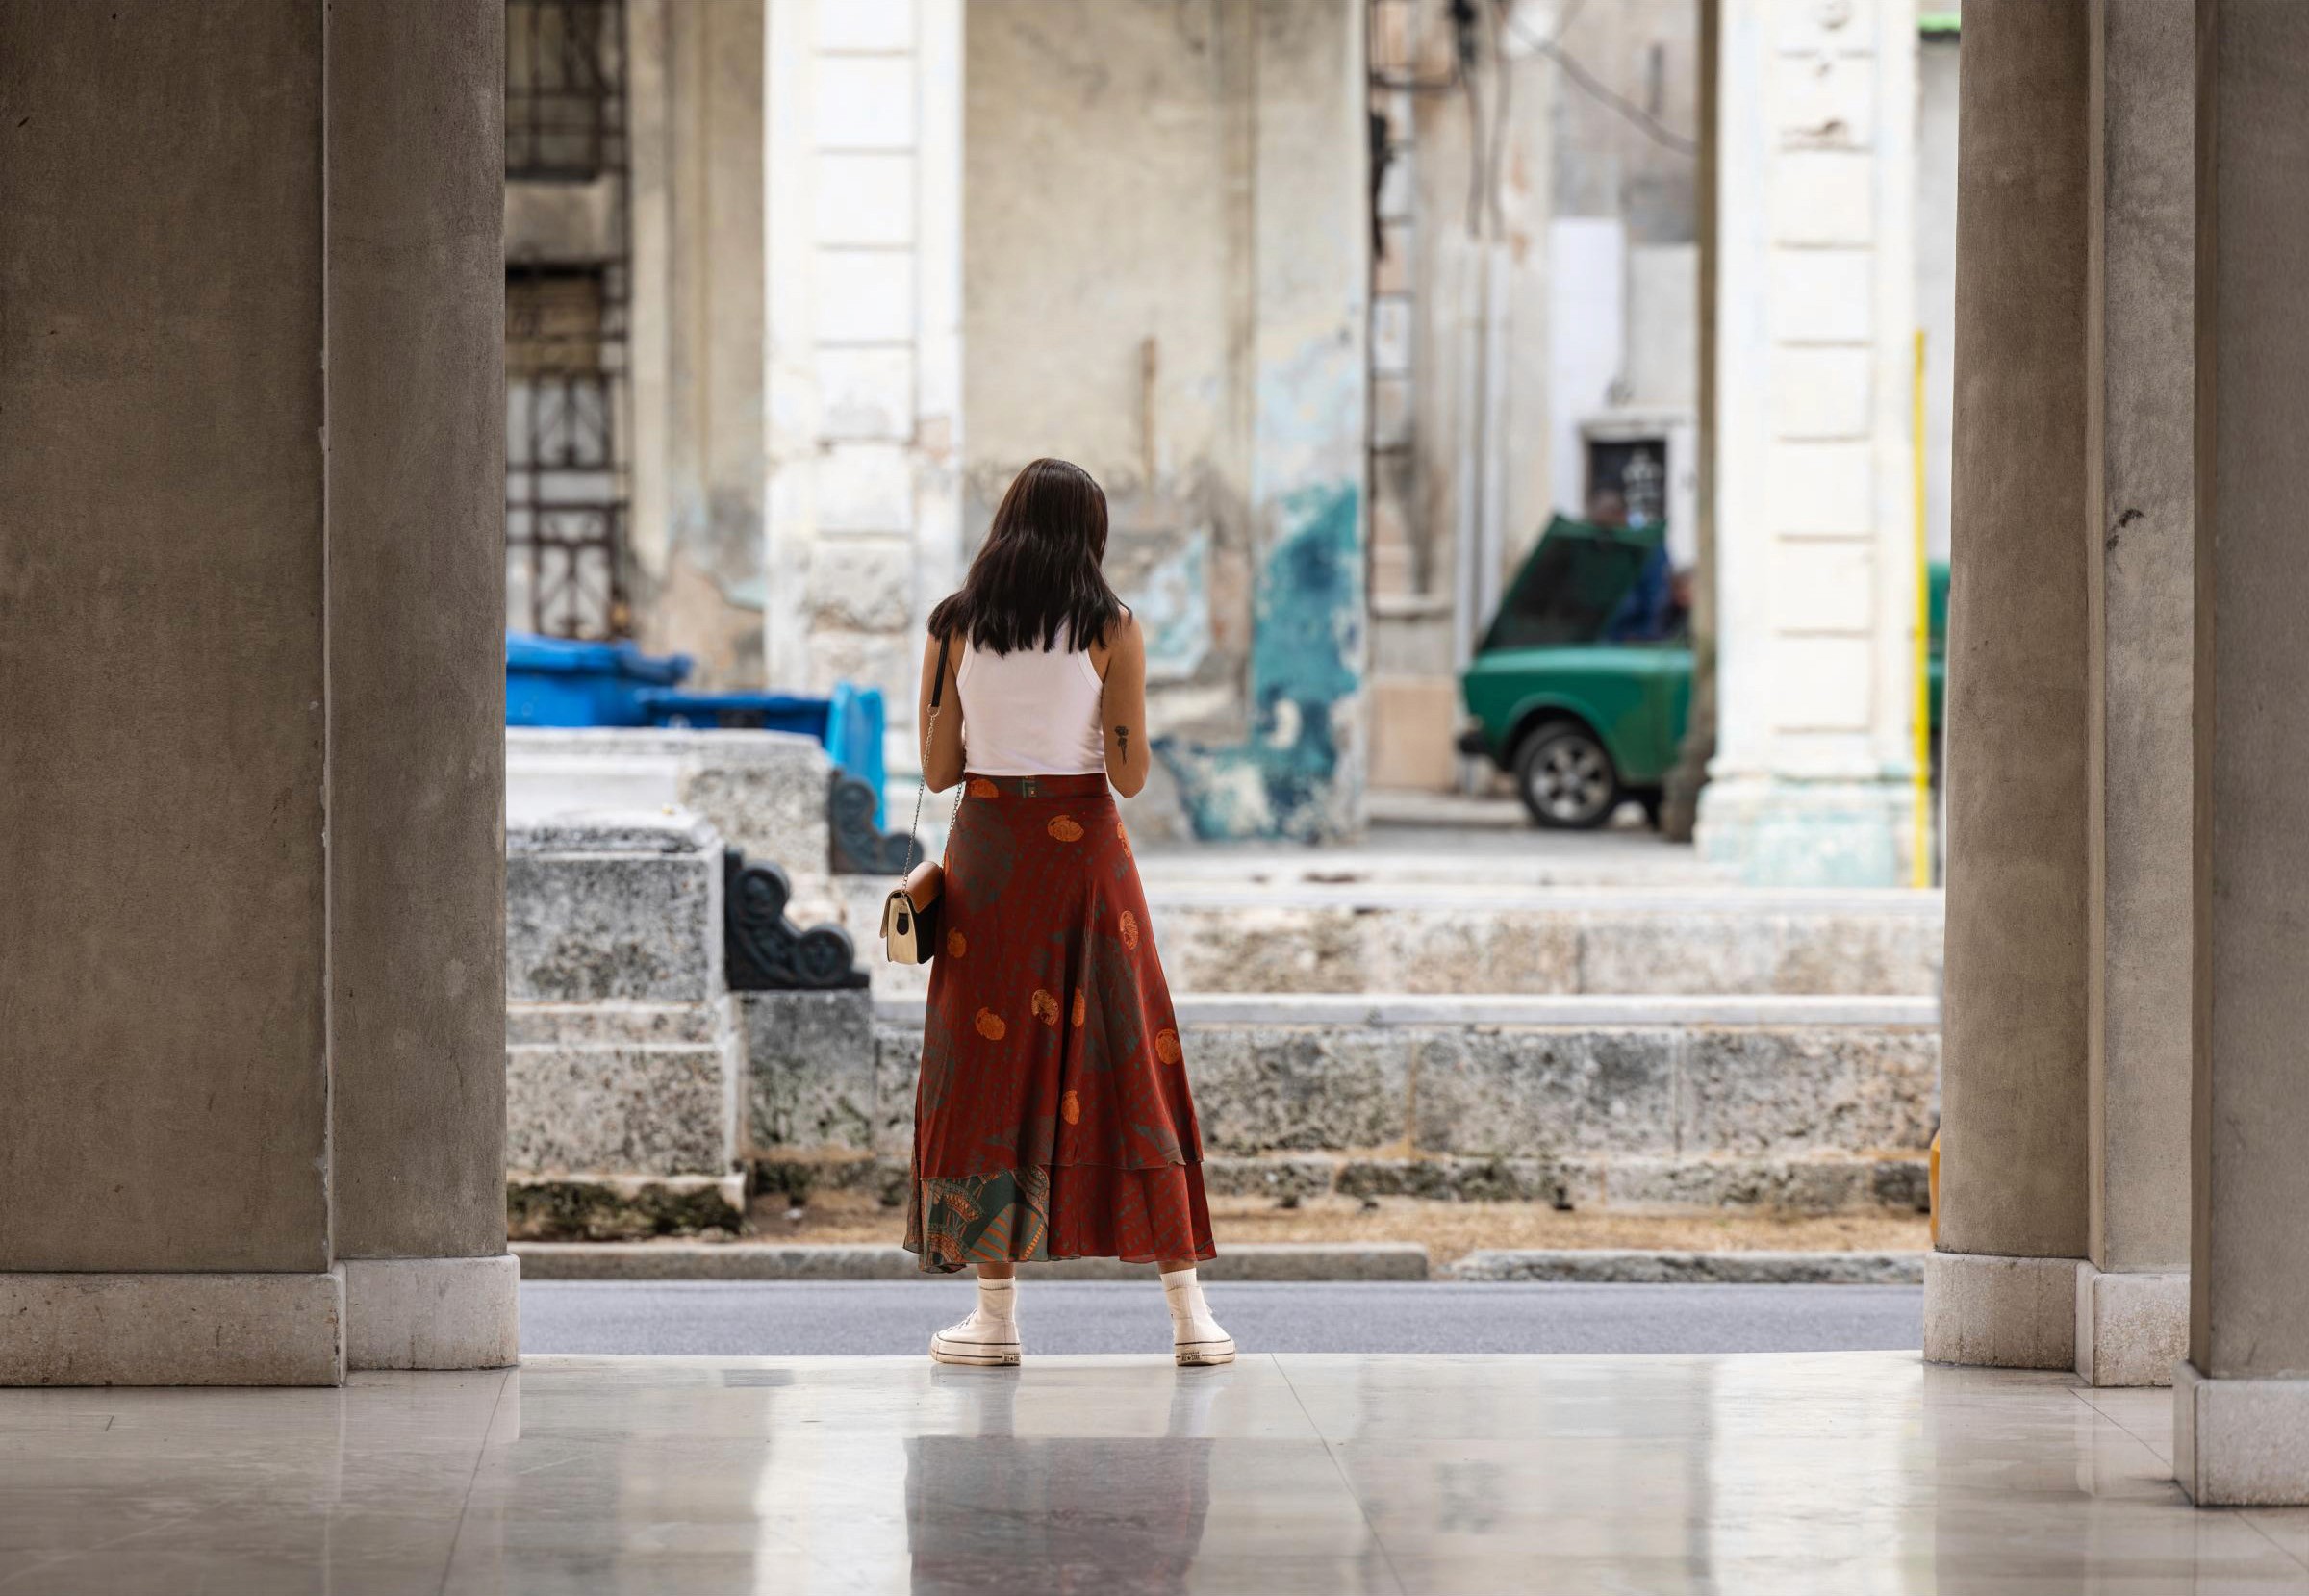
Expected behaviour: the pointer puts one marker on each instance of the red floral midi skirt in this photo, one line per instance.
(1052, 1119)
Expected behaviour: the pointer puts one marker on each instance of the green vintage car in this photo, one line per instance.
(1582, 684)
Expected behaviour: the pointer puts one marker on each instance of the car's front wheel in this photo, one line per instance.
(1566, 778)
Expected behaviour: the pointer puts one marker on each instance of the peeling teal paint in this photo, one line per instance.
(1305, 669)
(1173, 603)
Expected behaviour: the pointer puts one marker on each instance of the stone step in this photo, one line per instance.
(1811, 1103)
(1617, 1266)
(1394, 1011)
(748, 1260)
(1532, 859)
(1442, 938)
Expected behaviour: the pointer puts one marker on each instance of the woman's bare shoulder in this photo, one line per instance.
(1123, 641)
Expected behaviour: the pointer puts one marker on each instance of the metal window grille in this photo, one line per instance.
(568, 432)
(1634, 472)
(566, 480)
(565, 100)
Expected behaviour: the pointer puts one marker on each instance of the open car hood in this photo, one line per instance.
(1571, 585)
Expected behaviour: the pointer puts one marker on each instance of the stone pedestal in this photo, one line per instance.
(1815, 571)
(1780, 829)
(2132, 1327)
(2240, 1442)
(252, 629)
(623, 1053)
(431, 1313)
(1999, 1312)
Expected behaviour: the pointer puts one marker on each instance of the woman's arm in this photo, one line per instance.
(942, 754)
(1123, 709)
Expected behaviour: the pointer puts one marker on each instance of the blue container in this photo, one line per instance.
(855, 723)
(736, 711)
(848, 725)
(554, 682)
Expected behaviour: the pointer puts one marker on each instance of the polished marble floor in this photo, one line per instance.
(1833, 1472)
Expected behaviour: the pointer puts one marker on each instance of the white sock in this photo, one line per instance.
(1184, 1293)
(997, 1299)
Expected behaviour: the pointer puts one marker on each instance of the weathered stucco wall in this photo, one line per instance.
(1166, 267)
(694, 95)
(1107, 313)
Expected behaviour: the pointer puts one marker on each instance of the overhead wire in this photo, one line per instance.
(1603, 94)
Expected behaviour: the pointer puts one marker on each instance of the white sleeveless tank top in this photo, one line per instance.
(1031, 712)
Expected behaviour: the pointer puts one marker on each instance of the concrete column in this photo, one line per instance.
(414, 530)
(250, 595)
(2001, 1289)
(2241, 1401)
(1814, 571)
(2132, 1290)
(1679, 814)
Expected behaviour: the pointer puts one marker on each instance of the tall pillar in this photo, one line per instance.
(1814, 129)
(1680, 807)
(2133, 1288)
(251, 596)
(865, 355)
(2240, 1411)
(2001, 1288)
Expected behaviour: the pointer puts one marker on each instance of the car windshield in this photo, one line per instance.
(1574, 585)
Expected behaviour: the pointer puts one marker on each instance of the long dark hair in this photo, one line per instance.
(1038, 570)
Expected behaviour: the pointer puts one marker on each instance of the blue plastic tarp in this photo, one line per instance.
(554, 681)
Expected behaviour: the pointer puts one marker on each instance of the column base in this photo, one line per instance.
(2131, 1329)
(172, 1329)
(2240, 1443)
(433, 1313)
(1777, 833)
(1997, 1312)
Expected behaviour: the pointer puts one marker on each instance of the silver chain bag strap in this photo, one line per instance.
(911, 921)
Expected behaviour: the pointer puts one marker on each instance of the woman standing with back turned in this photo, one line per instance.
(1053, 1119)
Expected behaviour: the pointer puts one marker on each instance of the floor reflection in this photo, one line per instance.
(1844, 1474)
(994, 1510)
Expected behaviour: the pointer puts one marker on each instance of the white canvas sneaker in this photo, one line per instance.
(988, 1340)
(1196, 1338)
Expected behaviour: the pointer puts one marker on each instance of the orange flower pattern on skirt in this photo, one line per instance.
(956, 945)
(1074, 1139)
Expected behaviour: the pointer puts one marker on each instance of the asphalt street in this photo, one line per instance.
(764, 1319)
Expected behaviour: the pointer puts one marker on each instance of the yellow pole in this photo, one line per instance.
(1920, 847)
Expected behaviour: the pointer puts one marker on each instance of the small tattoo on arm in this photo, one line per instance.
(1122, 740)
